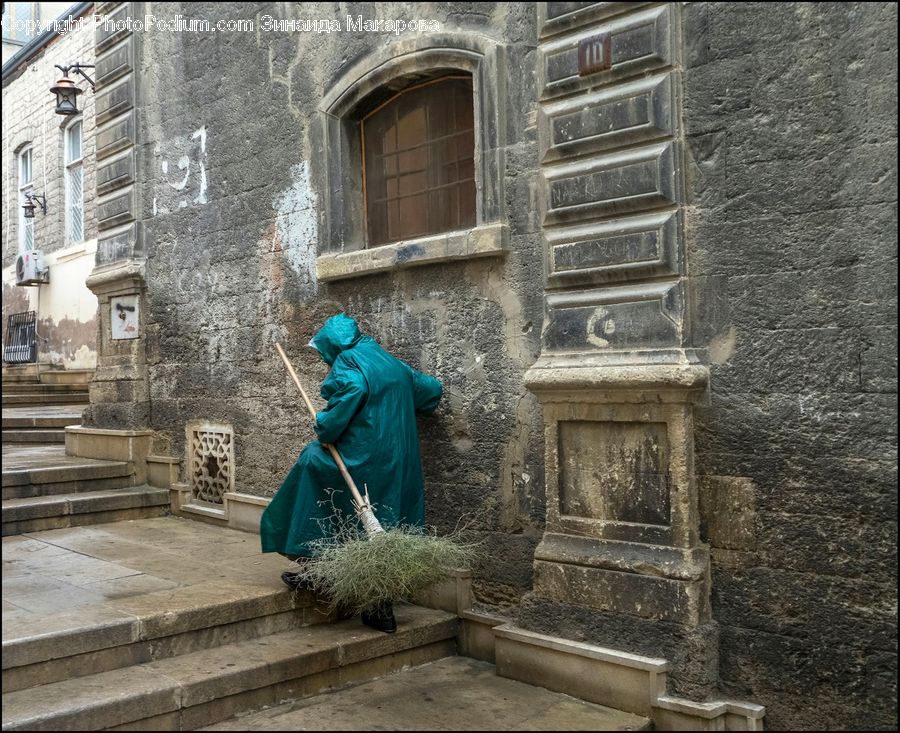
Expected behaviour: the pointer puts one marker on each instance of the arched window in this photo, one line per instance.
(74, 175)
(419, 161)
(413, 138)
(26, 226)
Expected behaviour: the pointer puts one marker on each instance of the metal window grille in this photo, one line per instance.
(419, 162)
(211, 458)
(76, 204)
(74, 184)
(20, 345)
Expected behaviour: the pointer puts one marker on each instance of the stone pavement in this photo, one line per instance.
(454, 693)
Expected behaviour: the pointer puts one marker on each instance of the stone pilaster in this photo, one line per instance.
(621, 557)
(119, 392)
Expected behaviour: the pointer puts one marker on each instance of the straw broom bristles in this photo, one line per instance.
(353, 571)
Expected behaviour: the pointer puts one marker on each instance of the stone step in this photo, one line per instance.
(455, 693)
(34, 435)
(67, 376)
(37, 513)
(59, 488)
(20, 374)
(192, 690)
(43, 416)
(24, 400)
(128, 630)
(45, 470)
(29, 388)
(89, 599)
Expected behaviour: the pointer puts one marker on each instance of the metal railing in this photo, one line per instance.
(20, 345)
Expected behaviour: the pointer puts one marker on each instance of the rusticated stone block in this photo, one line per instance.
(642, 316)
(114, 102)
(115, 137)
(115, 174)
(640, 42)
(616, 116)
(614, 251)
(114, 64)
(611, 184)
(118, 210)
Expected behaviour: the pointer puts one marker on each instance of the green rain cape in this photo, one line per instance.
(370, 417)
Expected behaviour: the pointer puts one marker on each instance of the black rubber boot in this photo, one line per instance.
(294, 581)
(381, 617)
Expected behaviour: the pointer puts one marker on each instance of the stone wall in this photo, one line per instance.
(234, 167)
(66, 309)
(790, 117)
(789, 130)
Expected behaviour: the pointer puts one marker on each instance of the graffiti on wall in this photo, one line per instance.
(180, 173)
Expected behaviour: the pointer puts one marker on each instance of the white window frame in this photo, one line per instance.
(26, 226)
(71, 164)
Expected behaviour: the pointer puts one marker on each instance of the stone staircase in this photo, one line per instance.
(454, 693)
(117, 616)
(36, 396)
(153, 633)
(45, 387)
(39, 423)
(43, 488)
(172, 624)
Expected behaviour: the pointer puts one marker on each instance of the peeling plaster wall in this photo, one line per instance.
(66, 309)
(233, 222)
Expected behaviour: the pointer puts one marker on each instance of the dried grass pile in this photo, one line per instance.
(354, 571)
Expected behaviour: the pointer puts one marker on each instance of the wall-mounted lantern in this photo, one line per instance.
(30, 198)
(65, 90)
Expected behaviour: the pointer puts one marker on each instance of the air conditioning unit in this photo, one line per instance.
(30, 268)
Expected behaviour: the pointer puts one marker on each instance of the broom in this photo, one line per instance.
(357, 570)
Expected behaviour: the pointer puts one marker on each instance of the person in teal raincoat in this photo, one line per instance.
(370, 416)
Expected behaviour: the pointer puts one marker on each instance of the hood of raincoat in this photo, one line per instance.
(339, 333)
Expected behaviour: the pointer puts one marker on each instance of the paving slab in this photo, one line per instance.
(455, 693)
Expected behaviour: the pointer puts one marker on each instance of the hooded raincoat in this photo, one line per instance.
(372, 402)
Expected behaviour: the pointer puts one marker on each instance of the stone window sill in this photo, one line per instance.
(483, 241)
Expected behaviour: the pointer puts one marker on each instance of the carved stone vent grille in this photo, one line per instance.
(211, 461)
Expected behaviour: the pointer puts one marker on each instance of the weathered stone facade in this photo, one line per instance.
(66, 309)
(792, 229)
(667, 345)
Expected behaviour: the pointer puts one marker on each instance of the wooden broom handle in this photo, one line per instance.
(357, 497)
